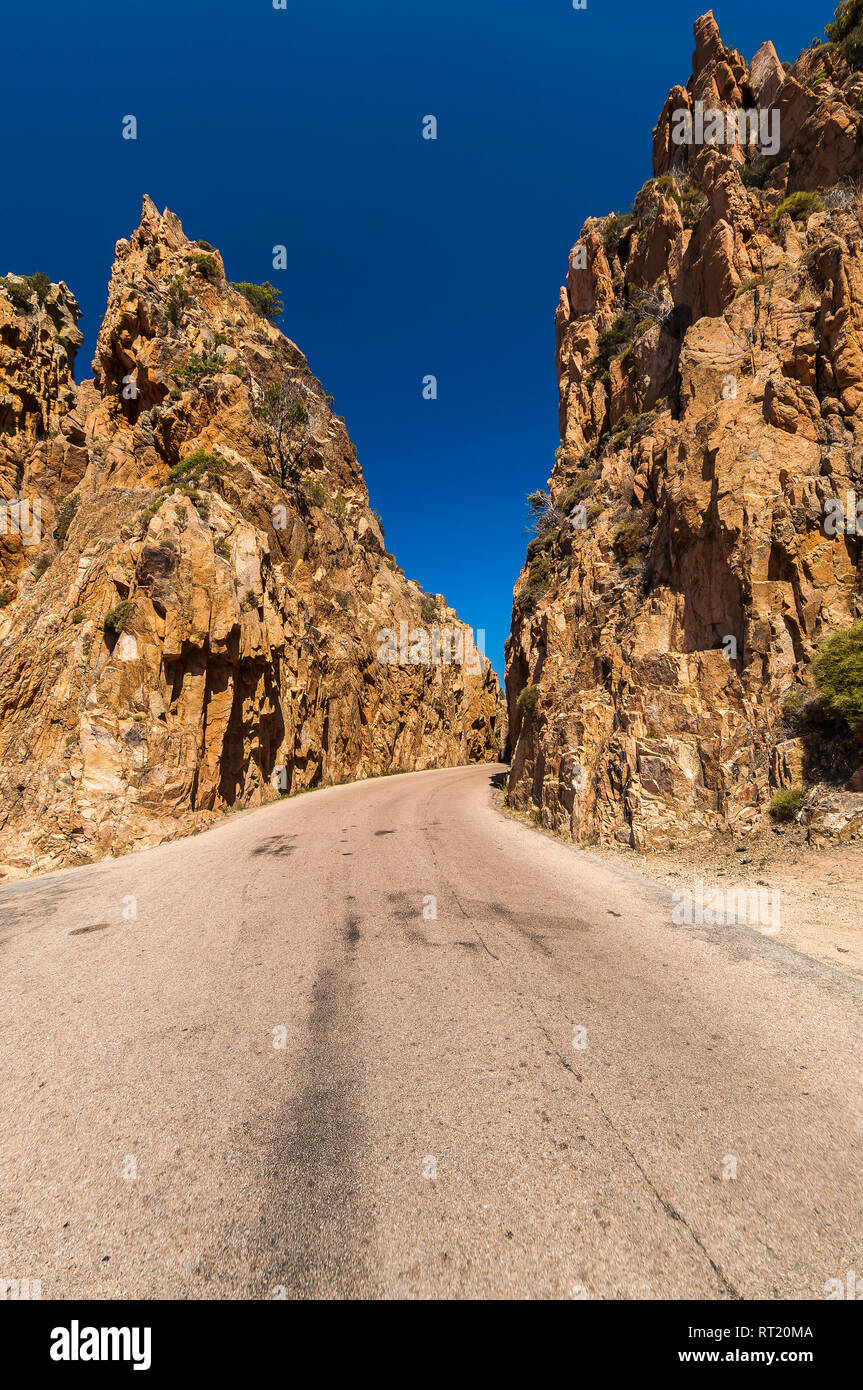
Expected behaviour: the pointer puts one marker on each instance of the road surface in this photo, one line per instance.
(256, 1064)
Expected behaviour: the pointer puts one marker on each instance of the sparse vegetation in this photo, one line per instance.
(690, 199)
(313, 491)
(197, 368)
(787, 804)
(285, 410)
(840, 197)
(21, 291)
(846, 31)
(756, 173)
(428, 608)
(65, 516)
(539, 544)
(192, 469)
(116, 618)
(207, 266)
(630, 539)
(799, 206)
(78, 616)
(264, 299)
(614, 341)
(547, 515)
(838, 674)
(539, 576)
(528, 699)
(613, 230)
(150, 511)
(178, 298)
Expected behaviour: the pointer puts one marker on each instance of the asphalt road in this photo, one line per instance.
(286, 1077)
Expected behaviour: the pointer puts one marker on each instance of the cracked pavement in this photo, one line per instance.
(286, 1077)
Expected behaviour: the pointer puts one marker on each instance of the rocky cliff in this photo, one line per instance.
(196, 623)
(710, 365)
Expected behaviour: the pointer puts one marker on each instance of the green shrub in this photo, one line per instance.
(428, 608)
(621, 430)
(197, 368)
(18, 295)
(528, 699)
(41, 565)
(786, 805)
(838, 673)
(65, 516)
(690, 199)
(148, 512)
(222, 549)
(314, 492)
(799, 206)
(264, 299)
(630, 539)
(613, 230)
(21, 292)
(616, 339)
(207, 266)
(40, 284)
(78, 616)
(178, 298)
(340, 507)
(540, 544)
(204, 245)
(539, 576)
(192, 469)
(847, 32)
(116, 618)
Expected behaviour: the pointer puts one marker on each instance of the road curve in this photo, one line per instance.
(286, 1077)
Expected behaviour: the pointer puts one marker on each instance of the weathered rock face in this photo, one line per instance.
(241, 651)
(39, 338)
(710, 362)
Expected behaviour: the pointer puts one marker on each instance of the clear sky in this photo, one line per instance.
(406, 257)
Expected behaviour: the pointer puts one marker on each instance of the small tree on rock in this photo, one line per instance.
(284, 408)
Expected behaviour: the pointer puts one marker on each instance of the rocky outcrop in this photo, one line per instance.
(710, 364)
(191, 633)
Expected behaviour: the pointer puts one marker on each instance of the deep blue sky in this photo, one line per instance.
(406, 257)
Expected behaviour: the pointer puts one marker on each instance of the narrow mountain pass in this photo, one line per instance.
(383, 1041)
